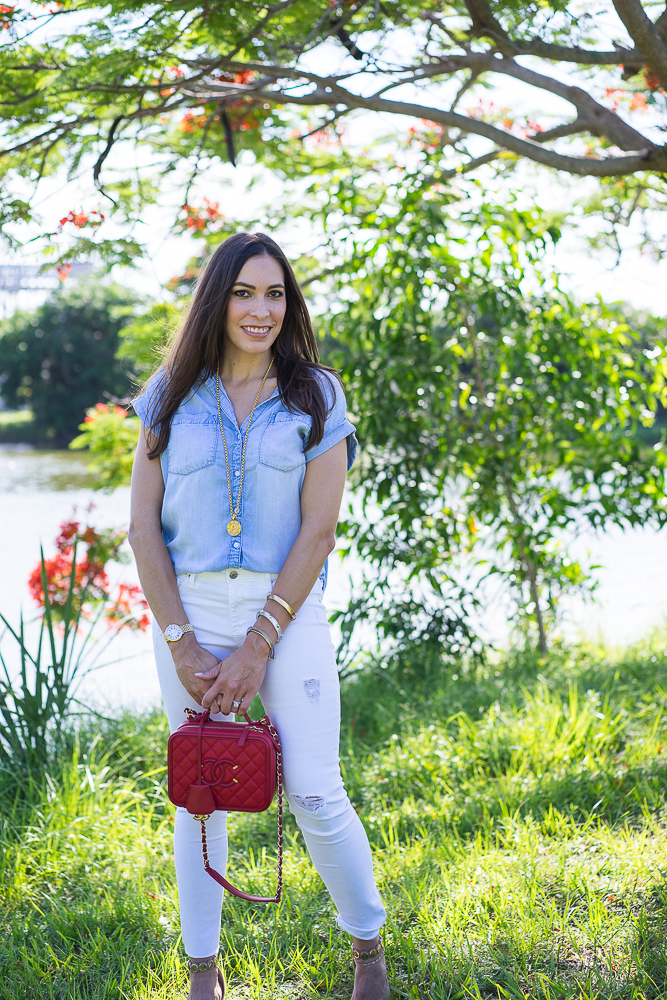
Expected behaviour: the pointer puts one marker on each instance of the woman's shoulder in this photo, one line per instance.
(146, 404)
(149, 397)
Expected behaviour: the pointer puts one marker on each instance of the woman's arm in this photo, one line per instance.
(156, 571)
(242, 673)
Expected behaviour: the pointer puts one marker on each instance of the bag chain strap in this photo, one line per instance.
(266, 722)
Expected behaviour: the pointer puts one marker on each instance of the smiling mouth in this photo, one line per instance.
(257, 329)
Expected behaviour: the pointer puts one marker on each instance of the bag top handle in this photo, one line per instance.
(205, 717)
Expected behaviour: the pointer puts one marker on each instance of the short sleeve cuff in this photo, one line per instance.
(140, 406)
(146, 402)
(333, 436)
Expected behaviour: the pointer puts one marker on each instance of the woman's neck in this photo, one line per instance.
(238, 366)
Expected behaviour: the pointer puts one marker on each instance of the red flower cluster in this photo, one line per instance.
(91, 582)
(637, 102)
(427, 136)
(199, 218)
(244, 76)
(652, 82)
(81, 219)
(103, 408)
(123, 613)
(190, 121)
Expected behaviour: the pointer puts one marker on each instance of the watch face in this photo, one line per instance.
(173, 633)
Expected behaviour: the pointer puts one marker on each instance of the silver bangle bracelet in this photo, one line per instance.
(264, 636)
(274, 621)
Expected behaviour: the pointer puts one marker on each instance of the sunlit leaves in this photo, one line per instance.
(495, 413)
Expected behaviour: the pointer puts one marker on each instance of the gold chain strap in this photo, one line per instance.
(262, 725)
(234, 525)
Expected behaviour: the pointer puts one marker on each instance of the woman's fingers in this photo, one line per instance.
(245, 704)
(226, 692)
(236, 679)
(209, 674)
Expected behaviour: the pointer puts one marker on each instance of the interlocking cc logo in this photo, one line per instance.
(216, 771)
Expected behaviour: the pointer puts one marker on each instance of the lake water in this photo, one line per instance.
(38, 490)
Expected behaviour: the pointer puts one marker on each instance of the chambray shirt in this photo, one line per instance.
(195, 508)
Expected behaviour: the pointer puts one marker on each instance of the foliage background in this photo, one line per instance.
(61, 359)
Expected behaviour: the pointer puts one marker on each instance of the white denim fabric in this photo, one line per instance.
(195, 508)
(301, 696)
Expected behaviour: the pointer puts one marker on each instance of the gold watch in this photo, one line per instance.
(173, 633)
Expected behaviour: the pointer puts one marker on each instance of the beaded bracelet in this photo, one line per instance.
(202, 966)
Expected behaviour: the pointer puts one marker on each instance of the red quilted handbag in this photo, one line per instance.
(231, 766)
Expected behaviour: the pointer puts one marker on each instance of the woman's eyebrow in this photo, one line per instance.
(246, 284)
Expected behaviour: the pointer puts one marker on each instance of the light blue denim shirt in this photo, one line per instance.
(195, 509)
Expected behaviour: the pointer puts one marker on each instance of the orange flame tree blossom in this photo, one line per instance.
(126, 608)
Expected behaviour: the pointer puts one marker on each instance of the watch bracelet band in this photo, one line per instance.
(273, 621)
(186, 629)
(265, 637)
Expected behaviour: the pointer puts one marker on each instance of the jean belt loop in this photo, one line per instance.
(192, 579)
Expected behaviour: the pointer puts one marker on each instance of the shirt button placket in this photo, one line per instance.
(235, 472)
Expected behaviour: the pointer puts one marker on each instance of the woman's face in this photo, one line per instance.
(257, 306)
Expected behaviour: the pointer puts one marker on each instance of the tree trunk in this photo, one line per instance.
(530, 569)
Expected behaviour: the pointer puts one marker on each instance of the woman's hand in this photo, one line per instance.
(237, 678)
(192, 661)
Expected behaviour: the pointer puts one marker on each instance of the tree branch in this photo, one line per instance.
(328, 92)
(105, 152)
(485, 24)
(651, 157)
(642, 31)
(592, 117)
(597, 119)
(64, 128)
(465, 168)
(571, 128)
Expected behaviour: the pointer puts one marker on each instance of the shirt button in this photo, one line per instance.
(236, 472)
(236, 544)
(233, 575)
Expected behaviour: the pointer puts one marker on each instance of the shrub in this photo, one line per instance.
(61, 360)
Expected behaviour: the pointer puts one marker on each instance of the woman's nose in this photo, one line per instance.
(260, 309)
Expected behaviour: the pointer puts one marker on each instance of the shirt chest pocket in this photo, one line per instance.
(281, 446)
(192, 446)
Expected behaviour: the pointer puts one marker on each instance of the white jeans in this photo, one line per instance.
(301, 696)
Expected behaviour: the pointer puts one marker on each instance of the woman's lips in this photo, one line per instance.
(256, 331)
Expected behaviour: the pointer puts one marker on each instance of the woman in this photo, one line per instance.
(236, 489)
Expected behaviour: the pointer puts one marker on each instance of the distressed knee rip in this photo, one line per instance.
(312, 689)
(308, 803)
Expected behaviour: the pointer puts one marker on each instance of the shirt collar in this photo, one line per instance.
(226, 405)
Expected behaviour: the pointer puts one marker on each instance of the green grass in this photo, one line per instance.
(516, 814)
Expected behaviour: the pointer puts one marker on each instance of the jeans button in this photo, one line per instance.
(233, 575)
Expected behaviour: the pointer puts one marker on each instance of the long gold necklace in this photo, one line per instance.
(234, 526)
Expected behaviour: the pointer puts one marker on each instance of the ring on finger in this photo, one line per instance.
(237, 704)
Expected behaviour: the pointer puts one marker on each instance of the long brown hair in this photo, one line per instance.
(198, 349)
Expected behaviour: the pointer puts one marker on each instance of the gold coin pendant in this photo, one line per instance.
(234, 527)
